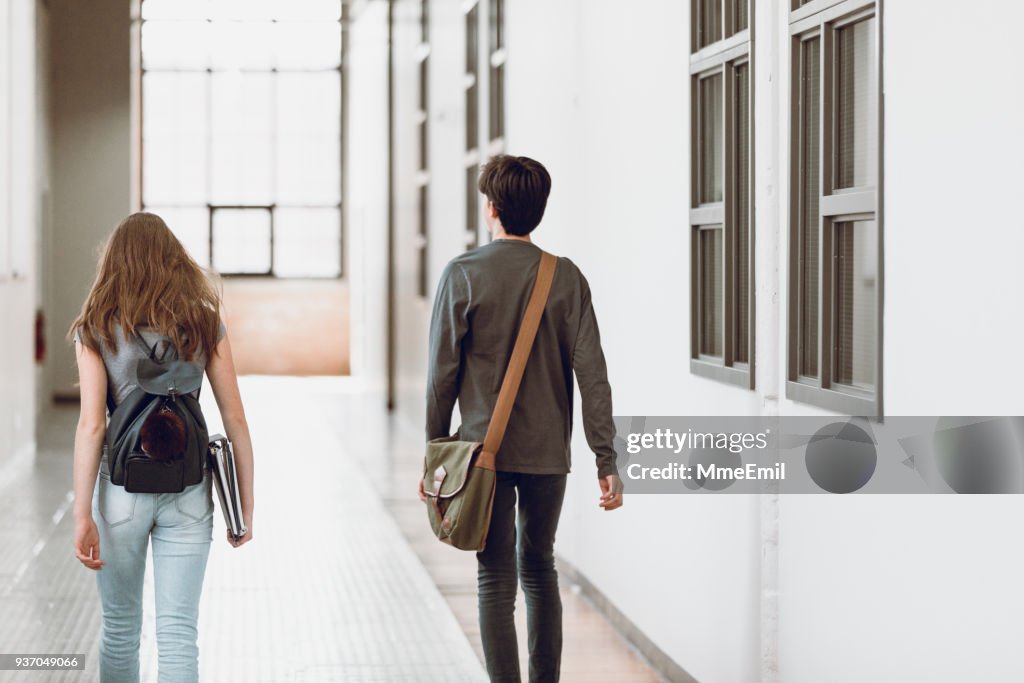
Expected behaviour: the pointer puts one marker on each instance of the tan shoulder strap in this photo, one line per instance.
(517, 363)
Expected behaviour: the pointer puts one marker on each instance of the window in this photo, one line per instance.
(485, 101)
(423, 130)
(835, 231)
(721, 215)
(473, 155)
(241, 133)
(496, 83)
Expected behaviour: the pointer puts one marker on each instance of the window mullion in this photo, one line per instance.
(729, 212)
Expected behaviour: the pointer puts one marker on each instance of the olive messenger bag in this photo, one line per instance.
(459, 476)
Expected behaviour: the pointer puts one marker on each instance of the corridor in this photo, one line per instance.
(342, 581)
(780, 210)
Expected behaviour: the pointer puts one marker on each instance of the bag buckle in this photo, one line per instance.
(439, 474)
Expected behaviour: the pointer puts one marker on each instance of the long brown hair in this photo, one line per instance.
(147, 278)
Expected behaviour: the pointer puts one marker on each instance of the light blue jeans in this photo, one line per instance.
(181, 526)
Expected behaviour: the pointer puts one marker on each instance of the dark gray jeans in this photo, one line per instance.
(522, 550)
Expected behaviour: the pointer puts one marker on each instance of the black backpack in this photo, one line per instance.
(157, 438)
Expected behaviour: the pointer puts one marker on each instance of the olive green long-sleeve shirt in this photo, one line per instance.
(479, 305)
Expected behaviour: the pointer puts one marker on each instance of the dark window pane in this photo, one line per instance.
(472, 118)
(423, 207)
(742, 213)
(307, 242)
(424, 114)
(424, 103)
(424, 239)
(424, 149)
(856, 275)
(472, 207)
(809, 218)
(497, 105)
(241, 241)
(740, 17)
(472, 39)
(710, 139)
(472, 71)
(856, 106)
(497, 24)
(422, 284)
(425, 21)
(710, 245)
(709, 23)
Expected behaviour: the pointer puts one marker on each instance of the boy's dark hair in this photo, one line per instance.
(518, 187)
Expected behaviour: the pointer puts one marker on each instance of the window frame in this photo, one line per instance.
(733, 50)
(422, 179)
(821, 19)
(497, 57)
(472, 11)
(140, 71)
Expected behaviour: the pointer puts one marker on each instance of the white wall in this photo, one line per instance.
(880, 588)
(600, 95)
(888, 588)
(366, 209)
(91, 107)
(413, 311)
(19, 229)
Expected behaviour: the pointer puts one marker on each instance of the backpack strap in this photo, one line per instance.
(151, 351)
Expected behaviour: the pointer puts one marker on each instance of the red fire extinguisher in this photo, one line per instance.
(40, 336)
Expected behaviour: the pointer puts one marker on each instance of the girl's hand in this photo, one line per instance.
(247, 518)
(242, 541)
(87, 543)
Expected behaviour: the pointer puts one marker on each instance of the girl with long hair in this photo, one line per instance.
(148, 288)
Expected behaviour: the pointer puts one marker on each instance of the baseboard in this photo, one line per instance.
(662, 664)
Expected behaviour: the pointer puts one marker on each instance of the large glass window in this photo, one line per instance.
(722, 303)
(241, 132)
(835, 287)
(473, 148)
(496, 83)
(423, 130)
(485, 100)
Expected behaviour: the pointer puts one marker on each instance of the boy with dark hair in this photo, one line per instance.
(477, 312)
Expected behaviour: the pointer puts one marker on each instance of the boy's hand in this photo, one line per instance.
(611, 492)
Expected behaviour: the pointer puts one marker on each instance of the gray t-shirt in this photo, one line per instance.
(121, 363)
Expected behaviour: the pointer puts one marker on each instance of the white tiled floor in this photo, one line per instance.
(329, 590)
(334, 586)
